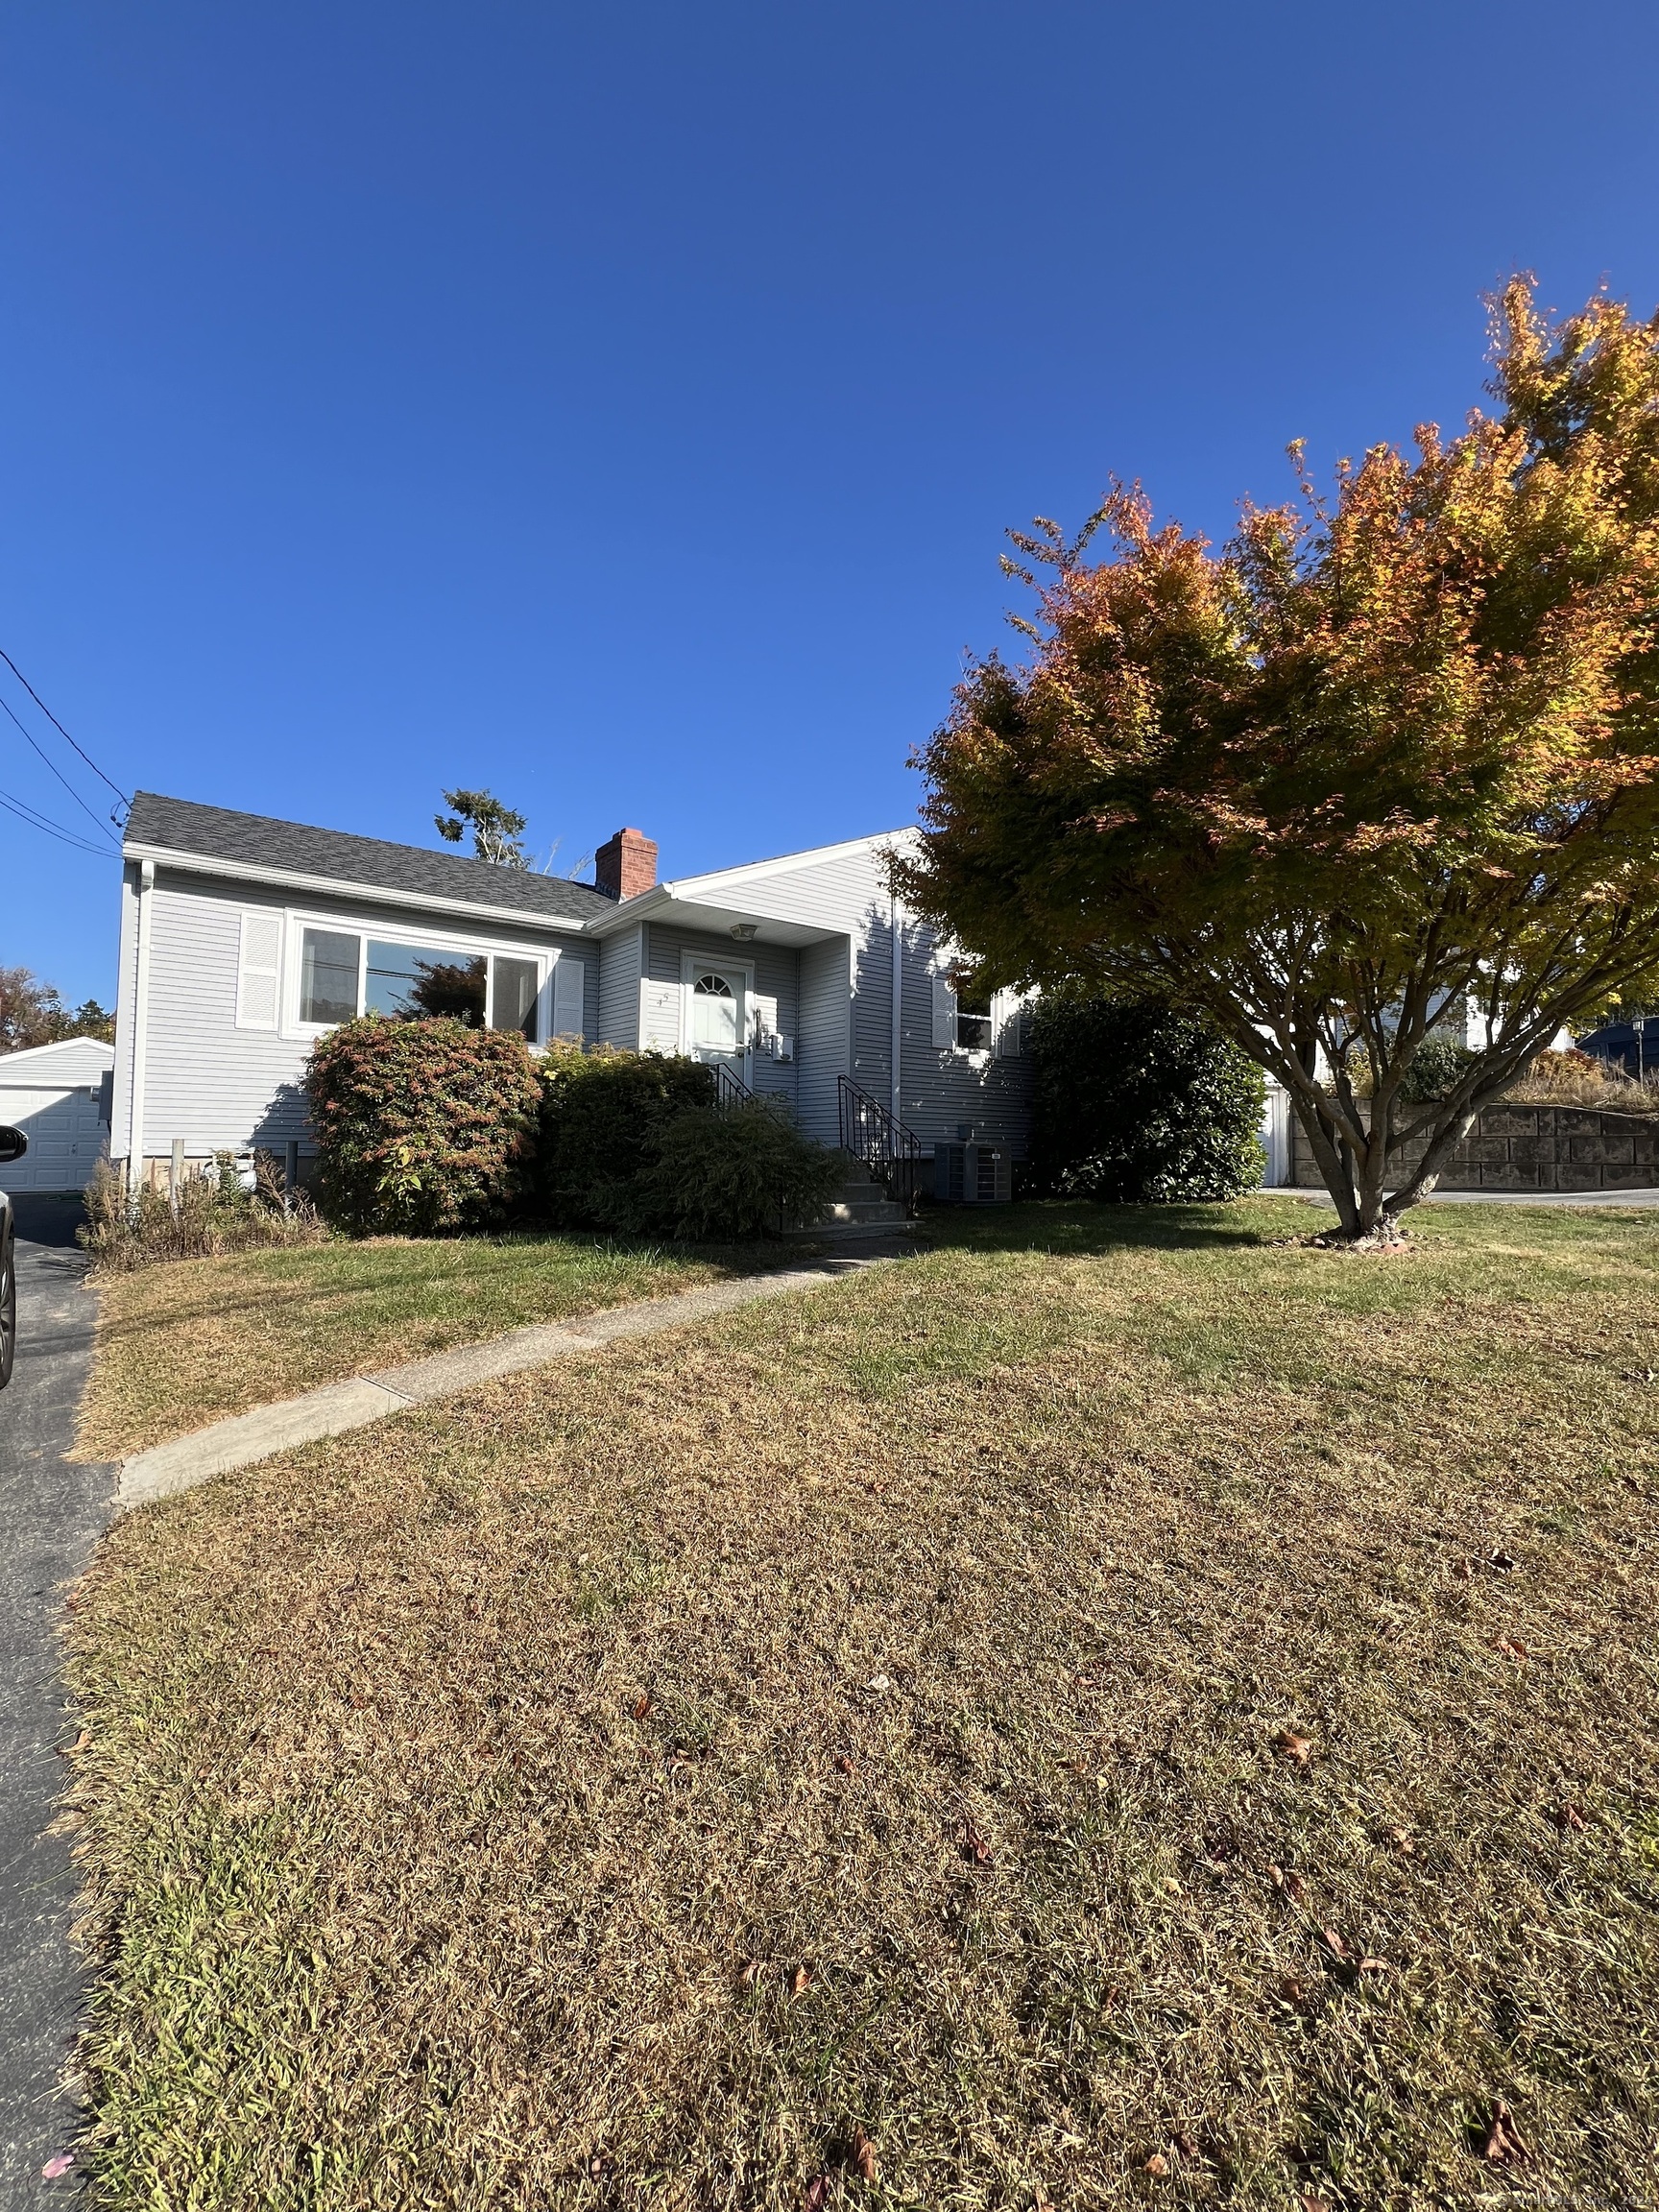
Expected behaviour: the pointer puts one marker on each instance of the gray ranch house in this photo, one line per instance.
(243, 939)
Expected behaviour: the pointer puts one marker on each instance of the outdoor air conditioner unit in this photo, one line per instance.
(972, 1174)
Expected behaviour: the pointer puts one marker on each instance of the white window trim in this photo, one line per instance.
(297, 920)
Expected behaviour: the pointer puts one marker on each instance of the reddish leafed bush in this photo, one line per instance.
(421, 1125)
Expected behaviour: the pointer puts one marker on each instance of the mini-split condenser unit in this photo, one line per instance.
(972, 1174)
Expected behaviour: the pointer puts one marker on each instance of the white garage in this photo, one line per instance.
(58, 1094)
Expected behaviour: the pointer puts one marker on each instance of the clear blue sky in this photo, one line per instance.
(621, 407)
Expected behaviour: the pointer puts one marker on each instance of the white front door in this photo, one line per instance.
(717, 1013)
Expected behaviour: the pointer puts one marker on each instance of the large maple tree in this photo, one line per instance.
(1385, 753)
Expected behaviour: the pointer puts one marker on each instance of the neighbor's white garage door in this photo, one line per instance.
(65, 1136)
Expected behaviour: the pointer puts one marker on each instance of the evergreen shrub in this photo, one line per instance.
(1436, 1067)
(600, 1113)
(740, 1172)
(421, 1126)
(1135, 1104)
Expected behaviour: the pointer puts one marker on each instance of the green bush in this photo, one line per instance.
(744, 1171)
(600, 1113)
(1436, 1068)
(421, 1125)
(1136, 1105)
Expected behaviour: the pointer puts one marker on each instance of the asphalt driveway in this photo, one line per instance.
(50, 1514)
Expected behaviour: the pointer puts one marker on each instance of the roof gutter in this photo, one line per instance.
(340, 886)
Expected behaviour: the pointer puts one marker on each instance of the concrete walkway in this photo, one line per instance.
(51, 1512)
(168, 1468)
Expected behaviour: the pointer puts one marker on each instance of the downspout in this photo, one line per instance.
(895, 925)
(140, 1026)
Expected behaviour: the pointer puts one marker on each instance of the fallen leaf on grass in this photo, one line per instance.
(1335, 1943)
(1289, 1745)
(57, 2165)
(974, 1845)
(1287, 1878)
(878, 1683)
(817, 2193)
(1506, 2145)
(1403, 1840)
(748, 1974)
(1568, 1817)
(1186, 2144)
(864, 2155)
(1311, 2203)
(1155, 2164)
(799, 1980)
(642, 1706)
(1509, 1647)
(843, 1765)
(1372, 1966)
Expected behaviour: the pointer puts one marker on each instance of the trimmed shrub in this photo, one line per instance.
(744, 1171)
(1139, 1105)
(421, 1125)
(1435, 1071)
(600, 1115)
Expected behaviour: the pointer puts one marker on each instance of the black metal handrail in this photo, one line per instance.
(881, 1141)
(729, 1088)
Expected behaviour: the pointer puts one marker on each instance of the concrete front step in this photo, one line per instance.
(872, 1209)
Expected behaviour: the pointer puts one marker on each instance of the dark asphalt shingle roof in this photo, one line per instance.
(217, 834)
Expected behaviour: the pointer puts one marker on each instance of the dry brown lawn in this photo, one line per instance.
(197, 1340)
(1113, 1713)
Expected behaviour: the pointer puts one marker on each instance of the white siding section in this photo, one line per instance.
(212, 1085)
(620, 960)
(775, 994)
(942, 1088)
(823, 1041)
(126, 985)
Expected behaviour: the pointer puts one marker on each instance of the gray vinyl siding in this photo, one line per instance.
(848, 989)
(823, 1045)
(620, 964)
(126, 985)
(776, 987)
(213, 1086)
(941, 1090)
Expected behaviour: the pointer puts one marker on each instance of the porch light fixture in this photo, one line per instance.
(745, 932)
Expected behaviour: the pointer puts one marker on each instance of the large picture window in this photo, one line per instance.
(328, 976)
(340, 977)
(415, 982)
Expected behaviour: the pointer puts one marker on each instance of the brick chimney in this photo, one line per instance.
(626, 865)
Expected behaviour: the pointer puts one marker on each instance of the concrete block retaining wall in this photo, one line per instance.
(1531, 1148)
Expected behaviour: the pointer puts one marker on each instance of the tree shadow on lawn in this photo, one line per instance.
(1083, 1228)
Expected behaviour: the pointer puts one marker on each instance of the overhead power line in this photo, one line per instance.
(125, 800)
(52, 829)
(30, 740)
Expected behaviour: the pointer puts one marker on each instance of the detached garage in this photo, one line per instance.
(58, 1095)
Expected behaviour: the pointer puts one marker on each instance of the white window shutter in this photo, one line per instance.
(1008, 1023)
(259, 968)
(944, 1013)
(569, 978)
